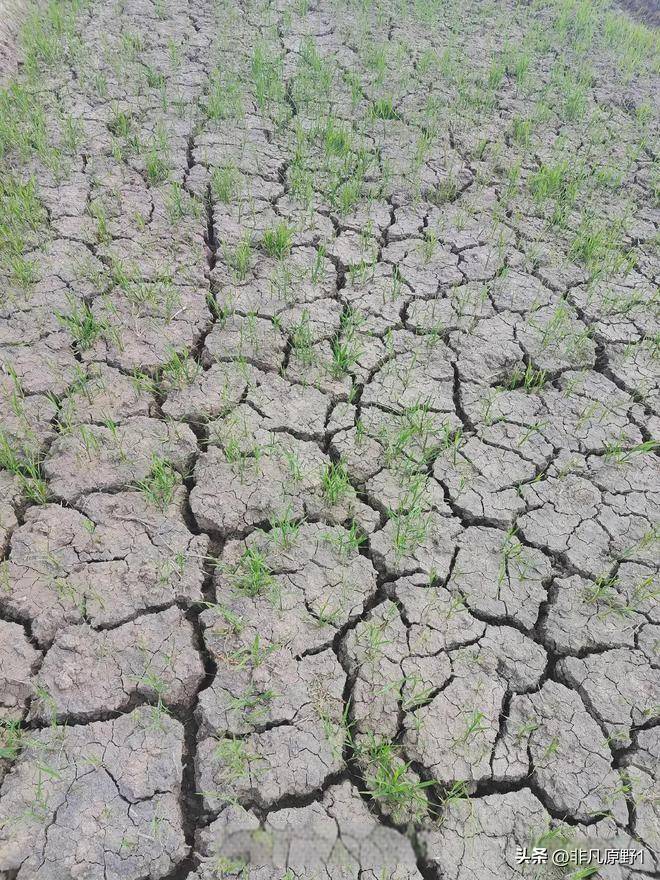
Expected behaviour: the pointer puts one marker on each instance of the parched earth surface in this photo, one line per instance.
(328, 489)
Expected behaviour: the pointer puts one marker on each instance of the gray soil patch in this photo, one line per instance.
(329, 409)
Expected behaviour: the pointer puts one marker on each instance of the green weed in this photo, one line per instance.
(224, 99)
(389, 778)
(383, 108)
(160, 484)
(251, 575)
(335, 483)
(277, 241)
(226, 183)
(83, 325)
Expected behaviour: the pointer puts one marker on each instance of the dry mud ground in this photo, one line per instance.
(12, 13)
(328, 493)
(12, 17)
(647, 11)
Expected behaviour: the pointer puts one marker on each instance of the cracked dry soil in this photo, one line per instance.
(329, 495)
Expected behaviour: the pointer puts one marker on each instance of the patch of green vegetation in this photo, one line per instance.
(240, 258)
(335, 483)
(601, 247)
(251, 575)
(226, 183)
(267, 70)
(25, 466)
(383, 108)
(636, 46)
(85, 327)
(558, 182)
(11, 738)
(156, 167)
(389, 778)
(22, 123)
(160, 484)
(277, 241)
(224, 99)
(48, 38)
(21, 218)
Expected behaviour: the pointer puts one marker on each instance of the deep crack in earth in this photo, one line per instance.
(328, 488)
